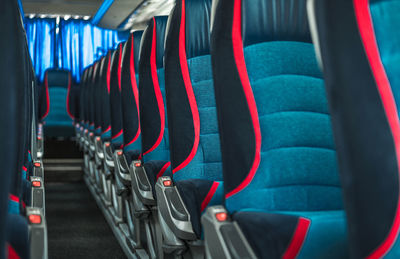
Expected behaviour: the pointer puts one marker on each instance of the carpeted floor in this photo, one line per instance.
(76, 226)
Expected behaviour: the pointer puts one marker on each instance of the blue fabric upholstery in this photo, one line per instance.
(280, 169)
(57, 122)
(298, 168)
(206, 164)
(58, 110)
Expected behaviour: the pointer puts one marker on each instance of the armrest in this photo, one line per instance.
(223, 237)
(86, 140)
(40, 146)
(108, 156)
(37, 233)
(172, 209)
(38, 169)
(37, 193)
(92, 148)
(99, 150)
(121, 169)
(144, 178)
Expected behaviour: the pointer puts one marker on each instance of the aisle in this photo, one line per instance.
(76, 226)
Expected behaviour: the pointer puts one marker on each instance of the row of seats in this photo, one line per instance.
(22, 204)
(209, 133)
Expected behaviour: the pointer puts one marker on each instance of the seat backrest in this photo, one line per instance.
(96, 95)
(86, 95)
(117, 135)
(360, 49)
(153, 117)
(82, 106)
(91, 95)
(130, 92)
(277, 145)
(57, 83)
(105, 99)
(192, 119)
(15, 70)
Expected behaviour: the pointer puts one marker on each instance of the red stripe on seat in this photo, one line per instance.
(12, 254)
(209, 195)
(157, 90)
(298, 238)
(109, 73)
(163, 169)
(46, 86)
(117, 135)
(237, 44)
(134, 90)
(68, 93)
(119, 66)
(108, 129)
(189, 90)
(13, 197)
(365, 26)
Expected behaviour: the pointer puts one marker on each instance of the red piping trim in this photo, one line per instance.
(298, 238)
(189, 91)
(46, 86)
(13, 197)
(12, 254)
(24, 168)
(134, 90)
(119, 66)
(109, 72)
(108, 129)
(365, 26)
(68, 93)
(163, 169)
(237, 44)
(209, 195)
(157, 91)
(117, 135)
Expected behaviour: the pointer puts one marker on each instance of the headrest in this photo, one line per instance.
(197, 15)
(272, 20)
(58, 78)
(158, 26)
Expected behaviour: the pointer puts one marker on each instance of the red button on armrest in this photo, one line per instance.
(36, 183)
(167, 183)
(221, 216)
(35, 219)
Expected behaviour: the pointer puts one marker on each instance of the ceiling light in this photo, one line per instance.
(87, 17)
(32, 15)
(66, 17)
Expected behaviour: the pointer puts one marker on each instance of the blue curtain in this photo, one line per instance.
(41, 43)
(72, 44)
(80, 43)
